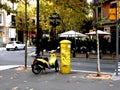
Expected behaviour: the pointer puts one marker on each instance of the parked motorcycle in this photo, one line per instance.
(39, 64)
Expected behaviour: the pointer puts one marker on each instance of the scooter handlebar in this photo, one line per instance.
(52, 51)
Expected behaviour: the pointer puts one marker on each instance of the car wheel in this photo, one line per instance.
(24, 48)
(15, 48)
(8, 49)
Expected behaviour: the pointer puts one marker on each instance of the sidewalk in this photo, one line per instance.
(20, 79)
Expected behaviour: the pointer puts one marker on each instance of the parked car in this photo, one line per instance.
(15, 45)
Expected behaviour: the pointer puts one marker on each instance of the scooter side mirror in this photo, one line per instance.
(44, 50)
(58, 47)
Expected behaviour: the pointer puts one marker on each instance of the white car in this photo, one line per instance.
(15, 45)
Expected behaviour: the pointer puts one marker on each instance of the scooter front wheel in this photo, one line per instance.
(35, 69)
(56, 66)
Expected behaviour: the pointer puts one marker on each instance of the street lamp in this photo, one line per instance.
(54, 22)
(39, 32)
(117, 37)
(26, 32)
(54, 19)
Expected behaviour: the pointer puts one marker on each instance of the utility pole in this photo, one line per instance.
(117, 37)
(114, 16)
(26, 34)
(39, 32)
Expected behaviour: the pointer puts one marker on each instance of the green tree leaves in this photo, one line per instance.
(72, 12)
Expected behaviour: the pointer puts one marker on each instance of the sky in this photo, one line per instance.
(89, 1)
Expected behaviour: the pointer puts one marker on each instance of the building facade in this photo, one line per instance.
(7, 30)
(102, 16)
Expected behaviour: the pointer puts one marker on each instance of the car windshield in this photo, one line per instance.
(19, 42)
(10, 42)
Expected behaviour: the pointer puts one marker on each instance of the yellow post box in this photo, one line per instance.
(65, 56)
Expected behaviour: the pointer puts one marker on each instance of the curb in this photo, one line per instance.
(6, 67)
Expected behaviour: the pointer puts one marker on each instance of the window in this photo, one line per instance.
(113, 5)
(13, 20)
(0, 1)
(11, 43)
(99, 11)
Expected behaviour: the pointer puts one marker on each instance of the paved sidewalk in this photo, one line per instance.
(20, 79)
(14, 78)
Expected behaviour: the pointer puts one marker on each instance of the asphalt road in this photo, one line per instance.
(82, 64)
(14, 57)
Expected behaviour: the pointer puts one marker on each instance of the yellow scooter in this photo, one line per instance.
(40, 64)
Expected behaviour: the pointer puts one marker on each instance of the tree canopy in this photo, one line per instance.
(73, 13)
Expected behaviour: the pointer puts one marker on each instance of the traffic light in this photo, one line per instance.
(119, 10)
(113, 11)
(13, 20)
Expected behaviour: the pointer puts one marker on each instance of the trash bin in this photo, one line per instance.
(65, 56)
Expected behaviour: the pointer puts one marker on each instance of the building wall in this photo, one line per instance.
(108, 25)
(106, 9)
(5, 23)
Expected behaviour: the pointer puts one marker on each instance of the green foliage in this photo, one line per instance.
(72, 13)
(87, 25)
(6, 7)
(20, 17)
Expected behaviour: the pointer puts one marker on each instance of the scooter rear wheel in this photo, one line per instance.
(35, 69)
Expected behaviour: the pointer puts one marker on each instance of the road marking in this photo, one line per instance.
(5, 67)
(85, 71)
(115, 77)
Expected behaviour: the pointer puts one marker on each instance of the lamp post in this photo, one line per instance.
(39, 32)
(26, 33)
(117, 37)
(54, 22)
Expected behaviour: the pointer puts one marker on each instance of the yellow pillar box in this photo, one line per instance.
(65, 56)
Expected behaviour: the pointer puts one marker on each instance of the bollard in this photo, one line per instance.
(74, 54)
(100, 53)
(87, 54)
(65, 56)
